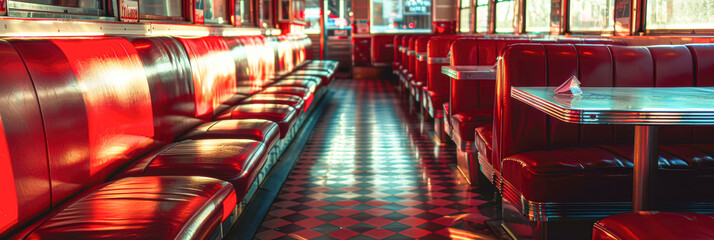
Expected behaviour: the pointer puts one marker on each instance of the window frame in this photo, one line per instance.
(569, 28)
(20, 9)
(525, 19)
(488, 16)
(401, 31)
(658, 32)
(495, 14)
(159, 18)
(472, 15)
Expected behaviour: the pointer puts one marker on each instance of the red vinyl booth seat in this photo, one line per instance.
(78, 112)
(283, 115)
(94, 124)
(144, 208)
(549, 161)
(655, 226)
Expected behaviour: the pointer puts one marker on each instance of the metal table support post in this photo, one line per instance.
(645, 169)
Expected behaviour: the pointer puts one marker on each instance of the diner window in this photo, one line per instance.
(244, 15)
(680, 14)
(538, 15)
(482, 16)
(312, 16)
(161, 9)
(504, 16)
(46, 8)
(266, 15)
(592, 15)
(465, 19)
(338, 18)
(395, 16)
(215, 11)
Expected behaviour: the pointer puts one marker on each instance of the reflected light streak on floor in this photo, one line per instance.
(368, 172)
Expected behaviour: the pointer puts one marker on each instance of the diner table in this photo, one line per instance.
(647, 108)
(476, 72)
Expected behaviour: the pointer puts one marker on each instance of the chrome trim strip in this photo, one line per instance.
(469, 73)
(554, 211)
(421, 56)
(439, 60)
(612, 117)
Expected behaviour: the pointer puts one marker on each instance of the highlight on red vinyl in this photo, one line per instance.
(8, 201)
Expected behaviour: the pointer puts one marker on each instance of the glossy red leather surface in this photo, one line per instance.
(412, 58)
(24, 174)
(464, 51)
(704, 74)
(302, 92)
(249, 68)
(102, 118)
(548, 161)
(405, 57)
(168, 73)
(483, 139)
(421, 72)
(283, 115)
(465, 122)
(254, 129)
(234, 160)
(277, 98)
(315, 79)
(144, 208)
(309, 84)
(380, 48)
(437, 82)
(655, 226)
(397, 41)
(213, 72)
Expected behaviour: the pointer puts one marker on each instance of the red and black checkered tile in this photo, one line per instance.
(370, 172)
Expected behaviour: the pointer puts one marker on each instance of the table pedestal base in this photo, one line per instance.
(645, 169)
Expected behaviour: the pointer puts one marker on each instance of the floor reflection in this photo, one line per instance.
(370, 171)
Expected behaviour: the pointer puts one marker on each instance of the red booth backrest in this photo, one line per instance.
(476, 51)
(438, 47)
(214, 76)
(405, 45)
(412, 58)
(397, 43)
(168, 73)
(24, 171)
(96, 108)
(420, 68)
(250, 77)
(519, 128)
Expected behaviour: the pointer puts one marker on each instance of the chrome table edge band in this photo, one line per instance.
(555, 211)
(600, 117)
(445, 60)
(468, 75)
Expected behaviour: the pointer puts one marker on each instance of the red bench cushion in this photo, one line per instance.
(283, 115)
(237, 161)
(144, 208)
(253, 129)
(655, 226)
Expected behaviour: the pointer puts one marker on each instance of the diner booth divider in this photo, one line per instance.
(122, 137)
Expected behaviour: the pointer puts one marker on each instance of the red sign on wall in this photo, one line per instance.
(129, 10)
(198, 12)
(3, 7)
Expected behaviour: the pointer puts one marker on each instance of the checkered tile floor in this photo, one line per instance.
(370, 172)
